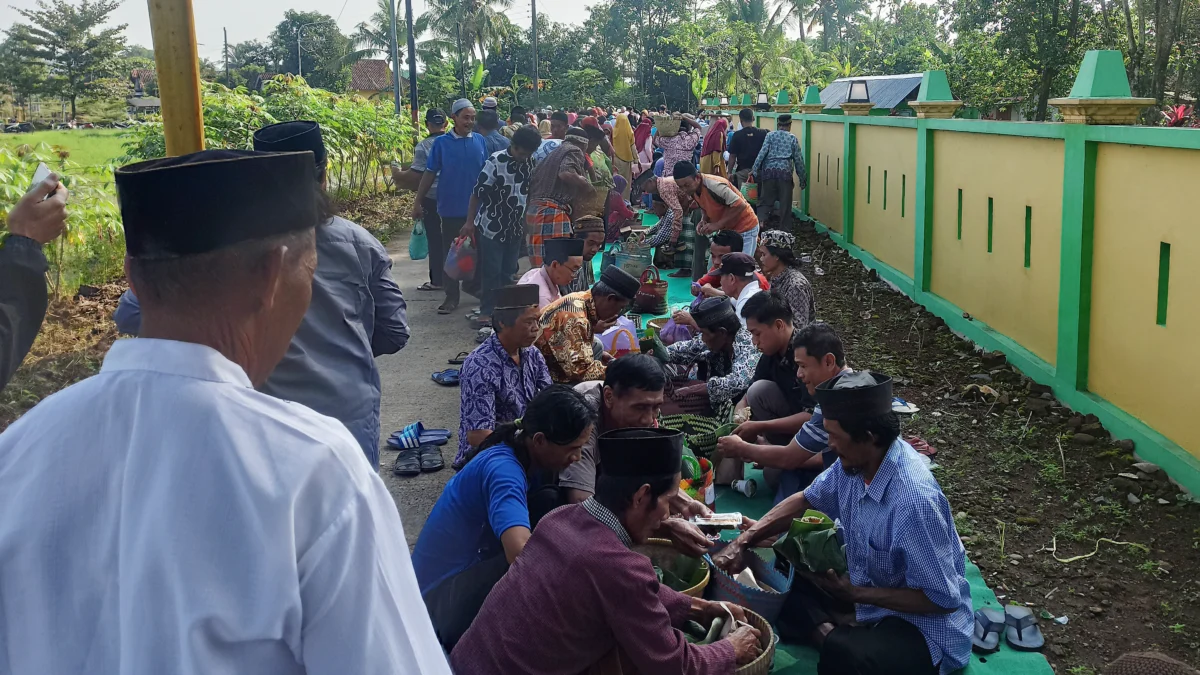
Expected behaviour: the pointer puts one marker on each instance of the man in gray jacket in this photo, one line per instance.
(37, 219)
(357, 313)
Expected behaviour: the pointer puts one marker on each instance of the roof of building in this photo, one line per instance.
(370, 75)
(885, 91)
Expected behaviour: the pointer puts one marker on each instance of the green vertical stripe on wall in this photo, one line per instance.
(923, 212)
(960, 214)
(989, 224)
(1075, 259)
(1028, 232)
(849, 150)
(1164, 280)
(868, 185)
(903, 192)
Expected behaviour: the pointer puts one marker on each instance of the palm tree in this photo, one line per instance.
(371, 39)
(803, 13)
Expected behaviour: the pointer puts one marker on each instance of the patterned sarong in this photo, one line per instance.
(547, 219)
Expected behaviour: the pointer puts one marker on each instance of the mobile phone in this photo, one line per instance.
(39, 175)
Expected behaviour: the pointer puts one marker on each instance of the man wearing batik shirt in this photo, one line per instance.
(779, 157)
(906, 578)
(723, 349)
(496, 214)
(569, 325)
(504, 373)
(539, 620)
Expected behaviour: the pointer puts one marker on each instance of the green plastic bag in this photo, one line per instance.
(418, 244)
(813, 545)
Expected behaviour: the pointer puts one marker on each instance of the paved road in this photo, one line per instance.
(409, 394)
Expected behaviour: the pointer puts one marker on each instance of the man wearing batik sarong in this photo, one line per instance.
(557, 181)
(580, 598)
(569, 325)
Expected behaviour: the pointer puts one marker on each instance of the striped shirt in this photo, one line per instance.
(900, 534)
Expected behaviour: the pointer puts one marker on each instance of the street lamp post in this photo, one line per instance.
(299, 55)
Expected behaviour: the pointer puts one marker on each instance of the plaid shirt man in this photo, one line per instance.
(900, 534)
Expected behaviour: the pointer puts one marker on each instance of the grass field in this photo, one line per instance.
(88, 147)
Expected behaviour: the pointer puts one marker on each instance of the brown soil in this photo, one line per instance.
(1022, 472)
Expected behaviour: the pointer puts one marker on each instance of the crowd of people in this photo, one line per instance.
(216, 512)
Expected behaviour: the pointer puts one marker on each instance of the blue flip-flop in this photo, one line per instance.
(1022, 632)
(446, 378)
(416, 435)
(989, 624)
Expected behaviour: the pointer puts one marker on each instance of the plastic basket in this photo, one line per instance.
(766, 603)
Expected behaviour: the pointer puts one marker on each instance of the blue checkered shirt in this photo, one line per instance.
(900, 534)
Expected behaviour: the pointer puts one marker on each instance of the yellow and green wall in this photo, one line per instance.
(1074, 249)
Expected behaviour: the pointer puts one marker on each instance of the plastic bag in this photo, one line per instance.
(607, 337)
(460, 261)
(418, 244)
(673, 332)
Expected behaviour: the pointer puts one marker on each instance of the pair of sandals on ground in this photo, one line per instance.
(420, 449)
(450, 376)
(1017, 624)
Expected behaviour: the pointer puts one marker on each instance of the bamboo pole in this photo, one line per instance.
(178, 64)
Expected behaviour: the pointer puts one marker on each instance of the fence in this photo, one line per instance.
(1074, 249)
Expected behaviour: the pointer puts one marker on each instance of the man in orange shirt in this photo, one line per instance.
(723, 205)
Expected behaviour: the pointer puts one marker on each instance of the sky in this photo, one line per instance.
(255, 19)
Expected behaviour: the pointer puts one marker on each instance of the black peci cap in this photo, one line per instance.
(213, 199)
(516, 297)
(299, 136)
(855, 396)
(640, 452)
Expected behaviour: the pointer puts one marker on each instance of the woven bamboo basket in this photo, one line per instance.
(589, 204)
(766, 640)
(662, 553)
(668, 126)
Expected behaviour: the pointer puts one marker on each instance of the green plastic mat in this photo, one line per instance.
(802, 660)
(679, 290)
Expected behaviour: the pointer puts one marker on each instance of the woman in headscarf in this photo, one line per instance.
(624, 152)
(643, 144)
(712, 160)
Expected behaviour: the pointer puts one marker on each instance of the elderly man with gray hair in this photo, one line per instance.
(205, 526)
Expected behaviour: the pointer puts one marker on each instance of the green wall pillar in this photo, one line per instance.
(923, 212)
(849, 161)
(1075, 261)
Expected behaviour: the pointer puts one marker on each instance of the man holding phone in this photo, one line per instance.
(37, 219)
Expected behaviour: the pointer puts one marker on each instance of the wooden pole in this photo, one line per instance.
(178, 64)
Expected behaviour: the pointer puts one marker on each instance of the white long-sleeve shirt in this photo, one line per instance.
(165, 517)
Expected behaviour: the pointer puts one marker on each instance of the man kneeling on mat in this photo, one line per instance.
(906, 564)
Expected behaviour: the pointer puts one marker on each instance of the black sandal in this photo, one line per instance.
(408, 462)
(431, 458)
(428, 286)
(446, 308)
(458, 360)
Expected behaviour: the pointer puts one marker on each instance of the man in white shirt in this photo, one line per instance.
(563, 258)
(204, 527)
(738, 280)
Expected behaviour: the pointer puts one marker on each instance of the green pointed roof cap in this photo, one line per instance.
(934, 87)
(782, 97)
(748, 99)
(812, 95)
(1102, 75)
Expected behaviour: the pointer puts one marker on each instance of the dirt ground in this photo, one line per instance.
(1024, 475)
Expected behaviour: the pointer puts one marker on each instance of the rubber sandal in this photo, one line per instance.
(431, 458)
(428, 286)
(903, 407)
(988, 624)
(415, 435)
(446, 378)
(408, 463)
(679, 274)
(458, 360)
(447, 309)
(1023, 633)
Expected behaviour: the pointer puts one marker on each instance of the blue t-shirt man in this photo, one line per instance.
(481, 502)
(457, 160)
